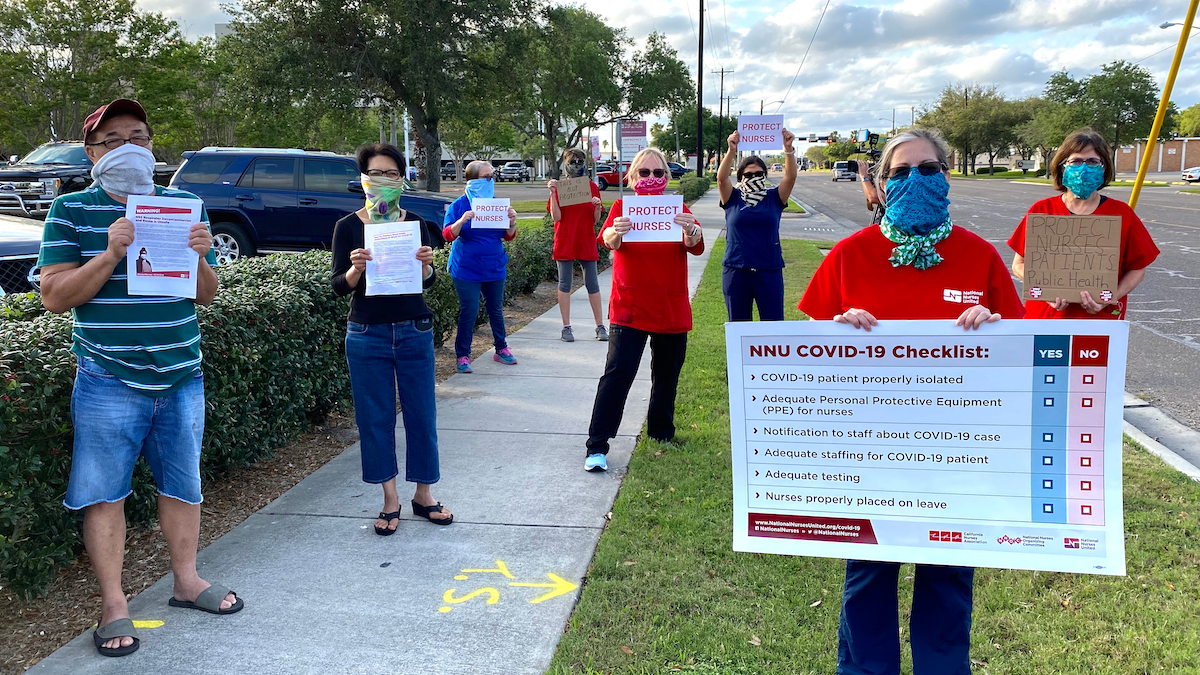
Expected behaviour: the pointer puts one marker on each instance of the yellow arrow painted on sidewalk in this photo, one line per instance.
(558, 585)
(142, 624)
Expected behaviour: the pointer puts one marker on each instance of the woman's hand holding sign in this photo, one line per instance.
(975, 317)
(691, 229)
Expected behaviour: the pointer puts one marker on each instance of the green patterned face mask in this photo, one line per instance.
(383, 197)
(913, 249)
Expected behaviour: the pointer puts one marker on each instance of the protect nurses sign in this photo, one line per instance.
(921, 442)
(760, 132)
(652, 218)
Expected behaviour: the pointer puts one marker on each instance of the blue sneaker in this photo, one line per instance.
(505, 356)
(464, 364)
(595, 462)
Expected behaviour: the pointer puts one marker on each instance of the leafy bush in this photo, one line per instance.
(692, 187)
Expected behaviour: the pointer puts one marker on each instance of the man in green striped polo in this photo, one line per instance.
(139, 386)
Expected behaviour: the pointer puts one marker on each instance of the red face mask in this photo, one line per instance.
(650, 185)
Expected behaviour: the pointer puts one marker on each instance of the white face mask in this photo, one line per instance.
(128, 170)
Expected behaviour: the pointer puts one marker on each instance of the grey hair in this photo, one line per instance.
(884, 167)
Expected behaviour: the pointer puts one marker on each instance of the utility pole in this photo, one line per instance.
(700, 97)
(720, 116)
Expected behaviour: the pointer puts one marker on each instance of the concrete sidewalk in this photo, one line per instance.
(489, 594)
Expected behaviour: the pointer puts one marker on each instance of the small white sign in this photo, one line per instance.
(490, 213)
(760, 132)
(159, 260)
(652, 218)
(1170, 151)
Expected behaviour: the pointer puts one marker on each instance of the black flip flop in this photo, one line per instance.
(116, 629)
(210, 600)
(387, 531)
(424, 512)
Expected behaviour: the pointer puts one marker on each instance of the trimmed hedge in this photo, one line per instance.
(274, 364)
(692, 187)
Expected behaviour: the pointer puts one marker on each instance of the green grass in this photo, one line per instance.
(793, 207)
(530, 223)
(539, 205)
(1194, 191)
(666, 585)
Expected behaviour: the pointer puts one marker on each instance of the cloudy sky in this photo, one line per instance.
(872, 56)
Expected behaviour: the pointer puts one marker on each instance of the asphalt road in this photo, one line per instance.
(1164, 344)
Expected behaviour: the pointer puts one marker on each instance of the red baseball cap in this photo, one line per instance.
(121, 106)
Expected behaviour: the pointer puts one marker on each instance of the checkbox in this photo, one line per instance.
(1047, 484)
(1048, 402)
(1049, 379)
(1089, 379)
(1085, 438)
(1047, 508)
(1085, 485)
(1085, 510)
(1048, 438)
(1047, 460)
(1085, 461)
(1087, 402)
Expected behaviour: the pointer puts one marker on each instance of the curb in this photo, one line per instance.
(1190, 194)
(1168, 456)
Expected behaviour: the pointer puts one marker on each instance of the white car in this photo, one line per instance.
(1191, 175)
(777, 167)
(841, 171)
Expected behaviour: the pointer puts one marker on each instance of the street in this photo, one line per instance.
(1164, 352)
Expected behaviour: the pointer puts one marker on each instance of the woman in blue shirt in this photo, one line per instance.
(478, 264)
(753, 256)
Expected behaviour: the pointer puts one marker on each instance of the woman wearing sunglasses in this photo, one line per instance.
(1081, 168)
(575, 239)
(899, 270)
(753, 265)
(389, 348)
(649, 301)
(478, 264)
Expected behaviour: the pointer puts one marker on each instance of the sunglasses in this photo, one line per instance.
(755, 174)
(658, 173)
(925, 168)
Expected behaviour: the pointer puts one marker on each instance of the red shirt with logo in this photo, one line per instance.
(575, 234)
(1137, 252)
(857, 274)
(650, 290)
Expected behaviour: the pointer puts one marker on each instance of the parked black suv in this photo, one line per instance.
(267, 198)
(20, 241)
(29, 186)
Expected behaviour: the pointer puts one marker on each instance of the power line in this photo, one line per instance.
(725, 13)
(805, 57)
(1164, 49)
(690, 19)
(708, 27)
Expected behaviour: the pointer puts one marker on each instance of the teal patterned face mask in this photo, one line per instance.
(1084, 179)
(916, 249)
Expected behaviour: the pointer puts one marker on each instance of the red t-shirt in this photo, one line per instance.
(575, 234)
(650, 290)
(1137, 252)
(857, 274)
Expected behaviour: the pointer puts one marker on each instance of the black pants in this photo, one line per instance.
(743, 287)
(625, 347)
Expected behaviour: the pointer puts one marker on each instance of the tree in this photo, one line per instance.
(683, 123)
(816, 155)
(1120, 101)
(840, 151)
(1189, 121)
(429, 58)
(482, 134)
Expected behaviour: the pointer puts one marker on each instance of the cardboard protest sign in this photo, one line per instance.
(1065, 255)
(760, 132)
(572, 191)
(653, 218)
(490, 213)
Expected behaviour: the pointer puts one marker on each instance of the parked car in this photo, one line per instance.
(28, 186)
(285, 200)
(514, 171)
(20, 240)
(677, 170)
(610, 175)
(1191, 175)
(777, 167)
(448, 171)
(841, 171)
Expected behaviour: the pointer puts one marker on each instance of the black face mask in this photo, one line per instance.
(576, 169)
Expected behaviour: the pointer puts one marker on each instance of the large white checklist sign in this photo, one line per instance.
(921, 442)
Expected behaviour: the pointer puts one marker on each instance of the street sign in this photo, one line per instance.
(633, 138)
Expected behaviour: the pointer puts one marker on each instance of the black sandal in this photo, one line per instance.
(424, 512)
(387, 531)
(117, 629)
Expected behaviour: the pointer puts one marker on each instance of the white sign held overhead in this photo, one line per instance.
(760, 132)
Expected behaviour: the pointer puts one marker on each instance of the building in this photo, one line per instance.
(1171, 156)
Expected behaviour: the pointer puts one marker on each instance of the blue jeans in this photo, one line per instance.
(939, 628)
(114, 425)
(468, 310)
(744, 286)
(386, 358)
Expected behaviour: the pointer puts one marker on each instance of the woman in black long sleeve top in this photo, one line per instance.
(389, 348)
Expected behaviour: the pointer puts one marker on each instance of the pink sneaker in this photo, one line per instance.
(506, 357)
(464, 364)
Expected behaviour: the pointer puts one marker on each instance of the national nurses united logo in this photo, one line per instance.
(1106, 295)
(1035, 292)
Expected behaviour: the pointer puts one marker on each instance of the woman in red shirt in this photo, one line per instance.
(915, 264)
(575, 239)
(1081, 168)
(649, 301)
